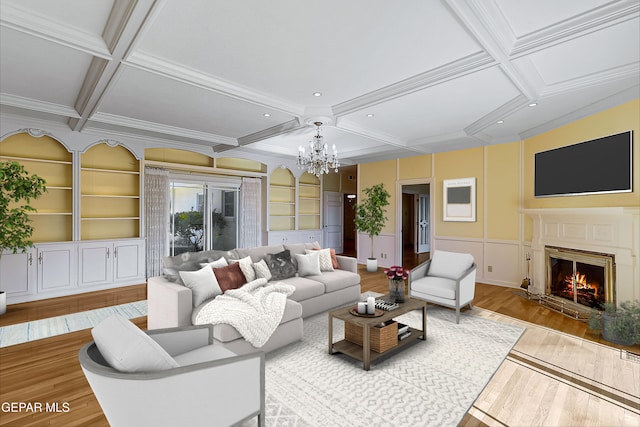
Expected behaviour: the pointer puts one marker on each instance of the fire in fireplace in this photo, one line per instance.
(585, 278)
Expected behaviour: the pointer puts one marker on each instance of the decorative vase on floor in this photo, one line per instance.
(396, 290)
(372, 265)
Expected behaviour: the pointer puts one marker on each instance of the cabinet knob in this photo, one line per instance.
(40, 258)
(107, 253)
(30, 259)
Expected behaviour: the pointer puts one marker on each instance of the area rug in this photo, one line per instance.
(45, 328)
(431, 383)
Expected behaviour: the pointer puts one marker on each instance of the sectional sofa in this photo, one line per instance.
(172, 304)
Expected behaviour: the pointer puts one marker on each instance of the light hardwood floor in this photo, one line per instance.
(550, 378)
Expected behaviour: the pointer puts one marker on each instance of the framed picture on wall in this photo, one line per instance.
(459, 199)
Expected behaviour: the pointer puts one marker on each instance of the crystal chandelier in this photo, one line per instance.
(318, 160)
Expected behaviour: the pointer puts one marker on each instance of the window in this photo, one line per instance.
(204, 215)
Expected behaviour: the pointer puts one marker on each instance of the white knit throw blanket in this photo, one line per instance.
(254, 310)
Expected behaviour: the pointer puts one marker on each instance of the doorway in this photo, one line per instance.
(415, 223)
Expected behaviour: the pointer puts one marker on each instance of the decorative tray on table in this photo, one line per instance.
(378, 313)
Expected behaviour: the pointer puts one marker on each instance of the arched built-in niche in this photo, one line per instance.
(42, 155)
(109, 193)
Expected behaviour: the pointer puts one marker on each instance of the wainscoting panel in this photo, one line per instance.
(474, 247)
(383, 249)
(503, 257)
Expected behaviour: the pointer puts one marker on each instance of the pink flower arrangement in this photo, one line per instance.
(396, 272)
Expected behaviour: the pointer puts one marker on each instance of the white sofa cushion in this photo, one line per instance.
(308, 264)
(246, 265)
(435, 286)
(126, 348)
(203, 284)
(262, 270)
(326, 264)
(449, 264)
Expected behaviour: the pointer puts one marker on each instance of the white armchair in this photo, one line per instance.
(171, 377)
(448, 279)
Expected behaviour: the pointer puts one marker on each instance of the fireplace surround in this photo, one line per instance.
(613, 231)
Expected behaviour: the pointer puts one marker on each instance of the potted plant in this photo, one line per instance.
(370, 217)
(620, 325)
(17, 188)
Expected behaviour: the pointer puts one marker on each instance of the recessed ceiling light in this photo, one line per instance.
(267, 115)
(500, 122)
(370, 115)
(533, 104)
(317, 94)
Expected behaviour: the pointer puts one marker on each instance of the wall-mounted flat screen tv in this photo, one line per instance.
(602, 165)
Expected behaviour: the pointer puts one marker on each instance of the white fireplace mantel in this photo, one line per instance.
(611, 230)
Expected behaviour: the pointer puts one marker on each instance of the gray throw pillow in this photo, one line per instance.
(280, 265)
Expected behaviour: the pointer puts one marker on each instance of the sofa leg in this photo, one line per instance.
(470, 306)
(457, 315)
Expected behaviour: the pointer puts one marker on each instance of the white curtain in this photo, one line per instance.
(250, 213)
(156, 209)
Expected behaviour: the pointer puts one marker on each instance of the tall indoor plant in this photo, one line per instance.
(17, 188)
(370, 216)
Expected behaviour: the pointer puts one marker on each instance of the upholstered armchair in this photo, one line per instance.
(171, 377)
(448, 279)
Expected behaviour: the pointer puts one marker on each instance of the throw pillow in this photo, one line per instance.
(280, 265)
(325, 258)
(262, 270)
(309, 264)
(246, 267)
(229, 277)
(203, 284)
(126, 348)
(222, 262)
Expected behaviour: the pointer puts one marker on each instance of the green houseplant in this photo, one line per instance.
(17, 188)
(370, 216)
(620, 325)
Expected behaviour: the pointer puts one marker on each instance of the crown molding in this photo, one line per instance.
(162, 67)
(461, 67)
(594, 108)
(594, 20)
(352, 128)
(625, 72)
(37, 105)
(45, 28)
(160, 128)
(499, 113)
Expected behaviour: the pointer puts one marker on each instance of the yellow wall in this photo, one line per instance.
(370, 174)
(467, 163)
(508, 168)
(503, 191)
(615, 120)
(415, 167)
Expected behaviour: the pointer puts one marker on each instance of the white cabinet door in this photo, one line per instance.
(56, 267)
(17, 274)
(128, 260)
(96, 264)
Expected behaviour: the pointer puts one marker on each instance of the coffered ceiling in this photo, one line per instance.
(397, 78)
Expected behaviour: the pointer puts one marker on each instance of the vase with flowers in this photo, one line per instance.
(397, 275)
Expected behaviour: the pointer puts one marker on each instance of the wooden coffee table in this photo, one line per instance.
(363, 353)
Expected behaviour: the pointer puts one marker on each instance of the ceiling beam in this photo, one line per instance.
(125, 23)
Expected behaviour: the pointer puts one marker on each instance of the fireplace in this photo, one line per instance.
(580, 277)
